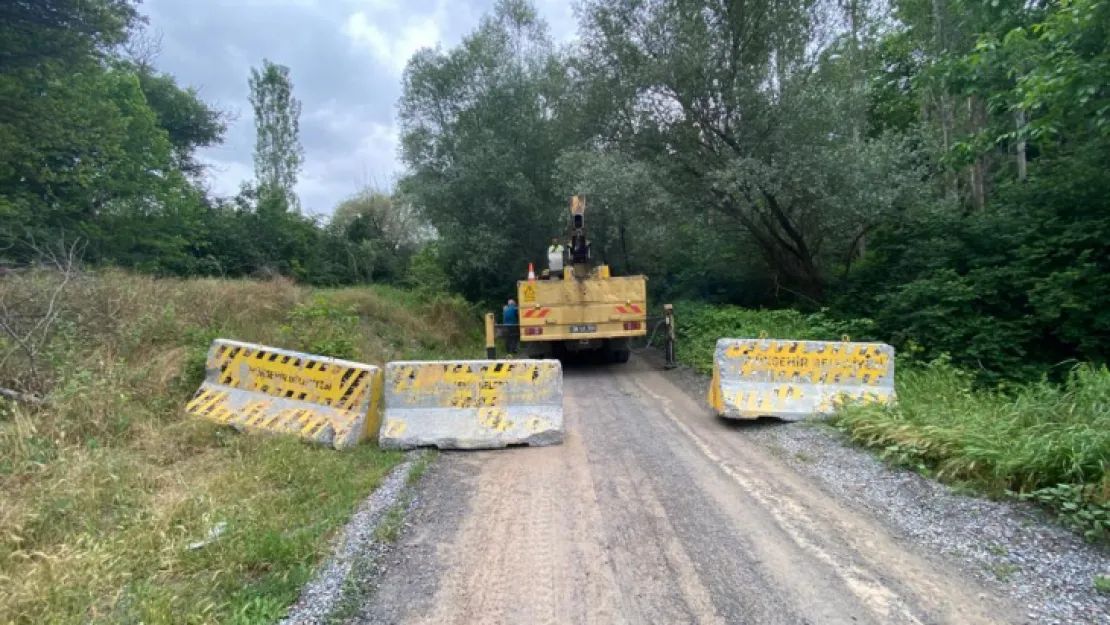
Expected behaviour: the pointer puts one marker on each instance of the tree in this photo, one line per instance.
(278, 154)
(744, 110)
(481, 128)
(382, 231)
(49, 34)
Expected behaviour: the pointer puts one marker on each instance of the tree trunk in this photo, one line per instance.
(977, 171)
(1022, 164)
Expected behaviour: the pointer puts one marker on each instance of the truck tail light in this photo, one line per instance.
(533, 331)
(631, 325)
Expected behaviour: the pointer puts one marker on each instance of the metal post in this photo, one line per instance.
(491, 337)
(669, 361)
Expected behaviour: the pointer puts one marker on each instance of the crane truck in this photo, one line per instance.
(584, 308)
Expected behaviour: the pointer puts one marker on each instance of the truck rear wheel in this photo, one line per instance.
(617, 351)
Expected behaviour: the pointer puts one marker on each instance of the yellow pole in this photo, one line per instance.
(491, 337)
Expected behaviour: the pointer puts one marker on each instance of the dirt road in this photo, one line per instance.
(653, 511)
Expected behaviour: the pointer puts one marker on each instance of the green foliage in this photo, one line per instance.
(1004, 291)
(425, 273)
(320, 327)
(278, 155)
(699, 326)
(1083, 507)
(1043, 442)
(98, 145)
(480, 141)
(1102, 584)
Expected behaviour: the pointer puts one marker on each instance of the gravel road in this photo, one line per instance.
(655, 511)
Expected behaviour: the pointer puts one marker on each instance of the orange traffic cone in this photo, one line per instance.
(531, 273)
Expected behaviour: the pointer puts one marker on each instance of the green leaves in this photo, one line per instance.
(481, 131)
(278, 155)
(1080, 506)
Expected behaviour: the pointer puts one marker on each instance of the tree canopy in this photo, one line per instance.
(939, 167)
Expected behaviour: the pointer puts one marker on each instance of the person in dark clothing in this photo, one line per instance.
(510, 318)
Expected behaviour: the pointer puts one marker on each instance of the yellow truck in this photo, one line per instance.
(582, 307)
(596, 313)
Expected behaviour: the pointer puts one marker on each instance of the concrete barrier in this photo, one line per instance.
(794, 380)
(257, 388)
(478, 404)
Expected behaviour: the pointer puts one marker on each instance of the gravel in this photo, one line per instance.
(1011, 546)
(356, 550)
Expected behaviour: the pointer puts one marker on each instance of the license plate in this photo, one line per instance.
(583, 329)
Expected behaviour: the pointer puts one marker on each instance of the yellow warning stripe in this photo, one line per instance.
(819, 362)
(419, 376)
(290, 377)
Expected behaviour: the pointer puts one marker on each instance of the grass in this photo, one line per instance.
(389, 529)
(420, 467)
(1102, 584)
(698, 326)
(1003, 572)
(103, 490)
(1049, 443)
(356, 592)
(1043, 442)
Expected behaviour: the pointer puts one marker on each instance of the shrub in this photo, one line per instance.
(698, 327)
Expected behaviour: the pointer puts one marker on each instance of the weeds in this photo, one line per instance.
(1041, 442)
(420, 467)
(389, 529)
(1003, 572)
(103, 490)
(1082, 507)
(1102, 584)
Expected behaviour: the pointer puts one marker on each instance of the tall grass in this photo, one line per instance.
(1036, 436)
(104, 489)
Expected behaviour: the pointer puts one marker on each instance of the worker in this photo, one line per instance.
(555, 258)
(510, 318)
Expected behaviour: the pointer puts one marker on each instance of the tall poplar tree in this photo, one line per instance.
(278, 155)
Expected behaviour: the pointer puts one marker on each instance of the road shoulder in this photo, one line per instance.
(1013, 549)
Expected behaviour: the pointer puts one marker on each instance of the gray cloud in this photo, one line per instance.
(346, 58)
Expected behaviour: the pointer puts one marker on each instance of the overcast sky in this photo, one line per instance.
(346, 59)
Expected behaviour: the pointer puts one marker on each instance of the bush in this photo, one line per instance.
(698, 327)
(320, 327)
(1007, 292)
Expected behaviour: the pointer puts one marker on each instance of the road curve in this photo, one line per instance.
(653, 511)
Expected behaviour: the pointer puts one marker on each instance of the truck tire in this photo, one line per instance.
(621, 356)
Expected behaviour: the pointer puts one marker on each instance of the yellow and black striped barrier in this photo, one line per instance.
(794, 380)
(476, 404)
(257, 388)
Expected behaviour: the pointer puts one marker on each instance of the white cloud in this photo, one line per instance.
(393, 50)
(346, 57)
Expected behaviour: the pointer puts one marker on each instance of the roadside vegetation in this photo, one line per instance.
(115, 507)
(1041, 441)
